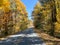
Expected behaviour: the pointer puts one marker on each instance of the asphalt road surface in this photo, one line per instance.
(27, 37)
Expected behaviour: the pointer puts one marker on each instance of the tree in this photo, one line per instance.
(57, 24)
(36, 14)
(46, 16)
(42, 17)
(13, 14)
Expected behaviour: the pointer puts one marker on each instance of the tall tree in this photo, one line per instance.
(13, 14)
(46, 16)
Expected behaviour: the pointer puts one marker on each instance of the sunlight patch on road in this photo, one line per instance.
(32, 35)
(25, 35)
(39, 44)
(22, 35)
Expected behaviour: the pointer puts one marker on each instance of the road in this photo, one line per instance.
(26, 37)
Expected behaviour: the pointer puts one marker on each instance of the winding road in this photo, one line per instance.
(26, 37)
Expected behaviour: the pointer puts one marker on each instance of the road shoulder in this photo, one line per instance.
(47, 38)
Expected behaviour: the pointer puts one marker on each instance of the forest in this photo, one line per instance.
(29, 22)
(13, 17)
(46, 17)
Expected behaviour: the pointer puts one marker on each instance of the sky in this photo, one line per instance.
(29, 6)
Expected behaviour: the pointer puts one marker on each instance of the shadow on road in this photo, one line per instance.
(26, 37)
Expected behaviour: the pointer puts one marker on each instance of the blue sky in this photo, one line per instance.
(29, 6)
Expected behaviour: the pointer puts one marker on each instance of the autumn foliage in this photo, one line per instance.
(46, 17)
(13, 17)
